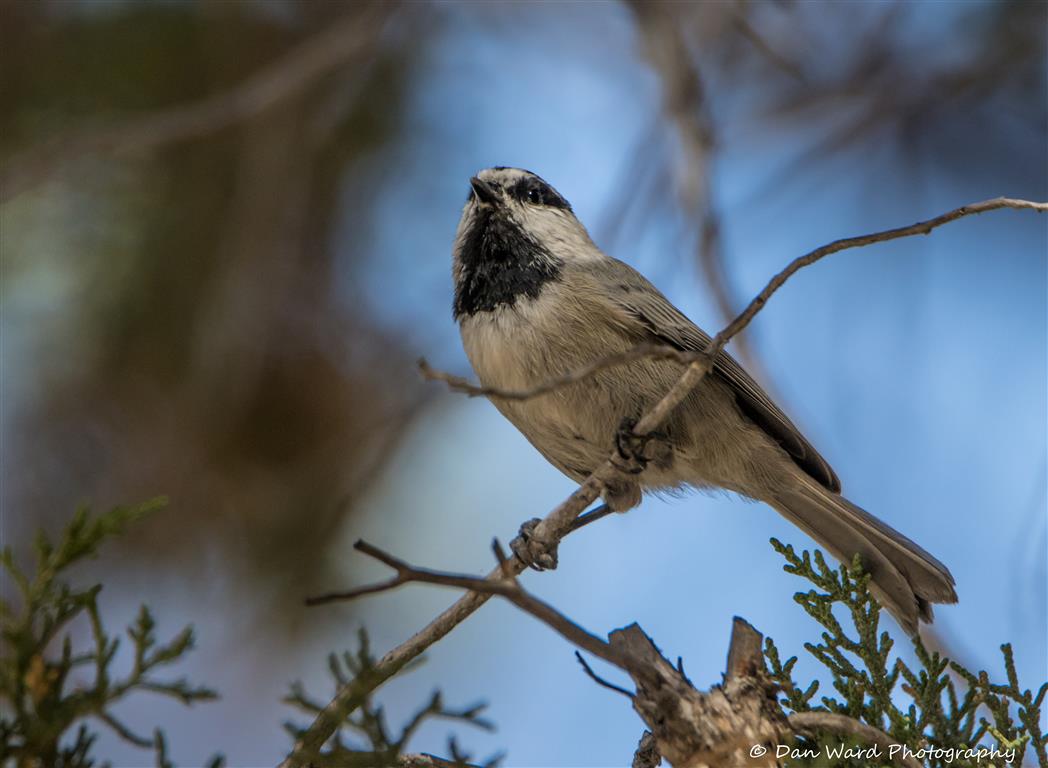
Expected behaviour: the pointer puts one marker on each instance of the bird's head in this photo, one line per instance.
(515, 235)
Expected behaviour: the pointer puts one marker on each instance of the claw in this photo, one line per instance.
(533, 551)
(635, 451)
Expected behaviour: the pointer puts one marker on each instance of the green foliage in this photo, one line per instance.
(944, 714)
(368, 723)
(38, 656)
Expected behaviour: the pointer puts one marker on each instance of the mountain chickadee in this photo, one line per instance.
(535, 298)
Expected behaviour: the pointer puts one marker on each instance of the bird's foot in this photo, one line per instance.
(634, 452)
(532, 550)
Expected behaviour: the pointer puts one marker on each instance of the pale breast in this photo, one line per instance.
(509, 347)
(525, 345)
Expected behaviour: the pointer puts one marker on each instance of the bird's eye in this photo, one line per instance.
(534, 196)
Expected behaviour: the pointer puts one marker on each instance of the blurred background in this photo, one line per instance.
(226, 231)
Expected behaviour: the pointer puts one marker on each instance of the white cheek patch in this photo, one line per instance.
(561, 234)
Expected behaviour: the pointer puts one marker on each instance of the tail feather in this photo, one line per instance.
(905, 579)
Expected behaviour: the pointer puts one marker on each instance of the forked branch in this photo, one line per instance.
(732, 722)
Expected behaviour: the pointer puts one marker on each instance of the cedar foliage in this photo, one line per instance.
(934, 706)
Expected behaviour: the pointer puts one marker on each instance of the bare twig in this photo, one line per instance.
(690, 727)
(812, 723)
(123, 731)
(289, 75)
(504, 587)
(680, 667)
(686, 729)
(595, 514)
(647, 350)
(600, 680)
(920, 228)
(559, 522)
(777, 59)
(643, 351)
(350, 696)
(686, 106)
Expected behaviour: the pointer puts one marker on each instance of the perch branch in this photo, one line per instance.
(560, 521)
(647, 350)
(920, 228)
(683, 728)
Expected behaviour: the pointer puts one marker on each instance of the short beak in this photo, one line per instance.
(485, 192)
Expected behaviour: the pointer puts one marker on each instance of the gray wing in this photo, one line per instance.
(668, 325)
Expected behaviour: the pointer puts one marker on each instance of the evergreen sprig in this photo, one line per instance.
(938, 716)
(365, 739)
(39, 656)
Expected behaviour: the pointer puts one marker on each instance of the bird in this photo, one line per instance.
(535, 298)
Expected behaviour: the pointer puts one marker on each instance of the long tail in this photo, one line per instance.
(904, 578)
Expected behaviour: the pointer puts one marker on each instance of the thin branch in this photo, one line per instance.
(292, 73)
(686, 106)
(647, 350)
(812, 723)
(600, 680)
(621, 652)
(353, 594)
(350, 696)
(508, 588)
(595, 514)
(744, 648)
(920, 228)
(643, 351)
(505, 563)
(778, 60)
(559, 522)
(123, 731)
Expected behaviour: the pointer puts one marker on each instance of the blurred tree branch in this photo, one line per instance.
(221, 346)
(290, 75)
(686, 106)
(881, 90)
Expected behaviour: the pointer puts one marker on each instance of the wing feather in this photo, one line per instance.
(668, 325)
